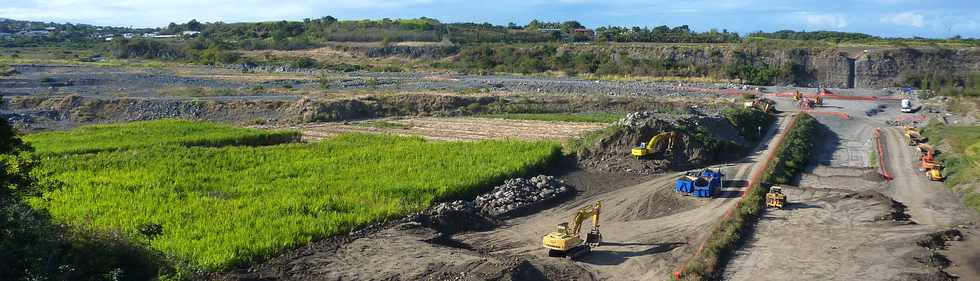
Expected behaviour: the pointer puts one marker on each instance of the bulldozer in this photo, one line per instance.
(935, 174)
(763, 104)
(650, 147)
(775, 198)
(566, 242)
(912, 136)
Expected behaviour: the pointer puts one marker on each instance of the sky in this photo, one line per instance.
(888, 18)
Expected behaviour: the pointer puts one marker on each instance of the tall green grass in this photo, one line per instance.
(961, 163)
(97, 138)
(227, 206)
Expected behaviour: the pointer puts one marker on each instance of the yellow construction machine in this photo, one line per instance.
(912, 136)
(810, 102)
(565, 241)
(775, 198)
(929, 164)
(651, 146)
(763, 104)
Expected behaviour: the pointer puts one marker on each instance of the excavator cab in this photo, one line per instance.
(647, 148)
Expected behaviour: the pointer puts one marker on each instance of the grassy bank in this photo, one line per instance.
(789, 160)
(961, 161)
(97, 138)
(221, 207)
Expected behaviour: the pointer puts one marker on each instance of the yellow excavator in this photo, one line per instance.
(565, 241)
(775, 198)
(651, 146)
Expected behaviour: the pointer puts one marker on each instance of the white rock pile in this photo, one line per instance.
(514, 195)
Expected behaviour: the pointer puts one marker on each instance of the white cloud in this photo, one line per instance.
(912, 19)
(157, 13)
(819, 20)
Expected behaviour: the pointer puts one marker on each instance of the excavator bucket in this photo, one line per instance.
(593, 238)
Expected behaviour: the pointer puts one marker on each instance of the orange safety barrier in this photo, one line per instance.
(881, 157)
(836, 96)
(753, 179)
(916, 118)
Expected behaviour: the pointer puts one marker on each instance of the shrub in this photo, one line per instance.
(751, 123)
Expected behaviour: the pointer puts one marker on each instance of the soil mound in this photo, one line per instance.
(704, 139)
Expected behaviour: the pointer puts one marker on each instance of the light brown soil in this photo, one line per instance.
(457, 129)
(846, 223)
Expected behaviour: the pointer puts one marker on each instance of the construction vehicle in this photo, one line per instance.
(565, 241)
(704, 184)
(907, 106)
(650, 147)
(809, 103)
(912, 136)
(929, 164)
(775, 198)
(935, 174)
(763, 104)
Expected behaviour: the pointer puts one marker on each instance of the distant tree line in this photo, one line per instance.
(664, 34)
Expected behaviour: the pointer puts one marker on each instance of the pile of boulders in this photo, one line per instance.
(647, 118)
(514, 195)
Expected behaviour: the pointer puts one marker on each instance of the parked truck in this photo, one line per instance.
(907, 106)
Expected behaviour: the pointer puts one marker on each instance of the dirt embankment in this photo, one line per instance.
(703, 139)
(58, 112)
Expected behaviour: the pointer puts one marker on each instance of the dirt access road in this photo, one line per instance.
(648, 230)
(843, 221)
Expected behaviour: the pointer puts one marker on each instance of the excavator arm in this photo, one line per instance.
(575, 226)
(657, 139)
(655, 142)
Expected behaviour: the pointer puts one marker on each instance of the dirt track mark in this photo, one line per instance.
(929, 202)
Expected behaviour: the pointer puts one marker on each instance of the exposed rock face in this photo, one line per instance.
(885, 68)
(820, 67)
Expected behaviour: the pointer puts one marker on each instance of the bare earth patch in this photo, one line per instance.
(454, 129)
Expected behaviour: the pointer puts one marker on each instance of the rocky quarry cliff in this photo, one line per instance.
(852, 67)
